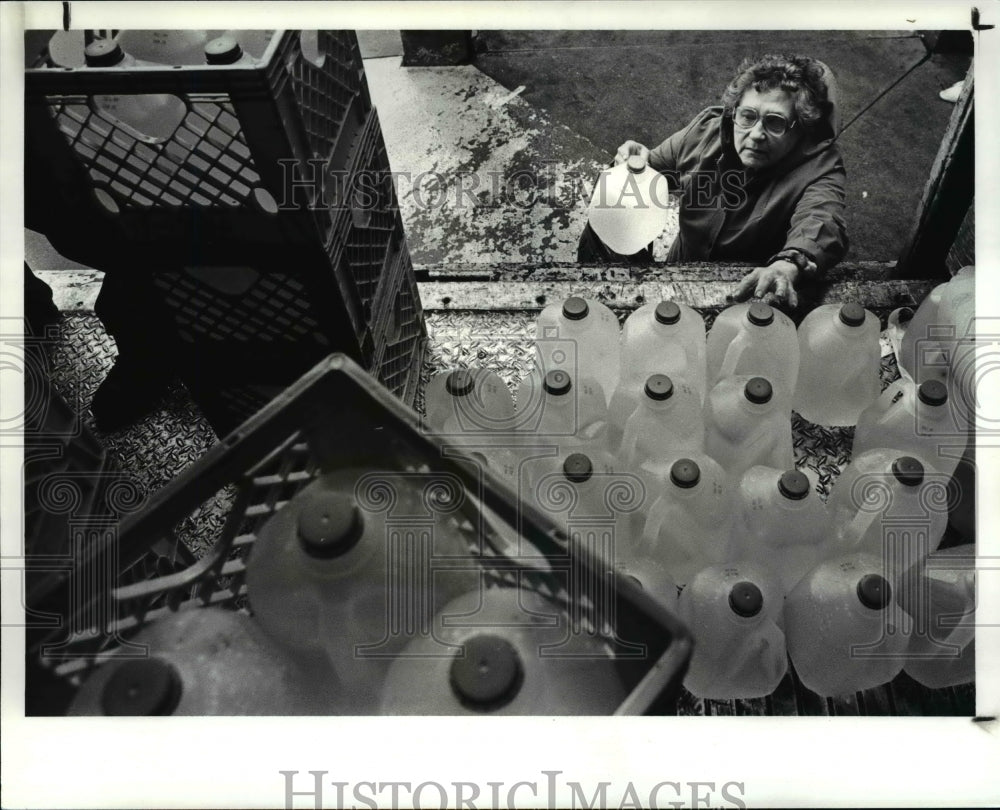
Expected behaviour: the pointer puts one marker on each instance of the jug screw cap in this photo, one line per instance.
(575, 308)
(793, 485)
(142, 688)
(557, 382)
(933, 392)
(659, 387)
(758, 390)
(852, 314)
(578, 468)
(460, 383)
(103, 53)
(760, 314)
(905, 315)
(908, 471)
(489, 675)
(685, 473)
(874, 591)
(667, 312)
(745, 599)
(636, 163)
(329, 525)
(224, 50)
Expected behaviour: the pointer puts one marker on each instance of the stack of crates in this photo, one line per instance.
(266, 223)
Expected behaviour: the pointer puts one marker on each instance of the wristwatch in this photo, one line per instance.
(803, 261)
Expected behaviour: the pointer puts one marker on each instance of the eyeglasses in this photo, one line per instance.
(775, 123)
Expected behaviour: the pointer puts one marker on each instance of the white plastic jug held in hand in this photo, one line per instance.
(508, 651)
(890, 505)
(780, 518)
(209, 661)
(581, 337)
(629, 207)
(688, 525)
(734, 612)
(664, 338)
(746, 423)
(666, 424)
(149, 116)
(839, 364)
(916, 420)
(755, 340)
(940, 593)
(336, 567)
(844, 631)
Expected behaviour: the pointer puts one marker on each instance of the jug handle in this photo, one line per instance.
(734, 351)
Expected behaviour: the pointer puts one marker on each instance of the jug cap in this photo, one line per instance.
(760, 314)
(460, 383)
(142, 688)
(329, 524)
(933, 392)
(557, 382)
(636, 164)
(575, 308)
(874, 591)
(852, 314)
(908, 471)
(745, 599)
(667, 312)
(905, 314)
(685, 473)
(103, 53)
(490, 673)
(659, 387)
(793, 485)
(578, 468)
(758, 390)
(224, 50)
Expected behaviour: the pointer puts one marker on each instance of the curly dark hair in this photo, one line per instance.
(799, 76)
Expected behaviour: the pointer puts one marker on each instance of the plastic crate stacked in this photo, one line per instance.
(337, 417)
(267, 222)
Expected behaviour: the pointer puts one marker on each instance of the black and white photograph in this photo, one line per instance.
(617, 369)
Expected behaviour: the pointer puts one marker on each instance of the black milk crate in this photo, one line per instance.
(336, 417)
(244, 134)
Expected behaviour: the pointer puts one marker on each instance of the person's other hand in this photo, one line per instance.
(630, 148)
(774, 283)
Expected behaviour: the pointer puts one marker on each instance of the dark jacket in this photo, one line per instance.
(728, 213)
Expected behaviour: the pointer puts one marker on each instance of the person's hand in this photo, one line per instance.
(630, 148)
(774, 283)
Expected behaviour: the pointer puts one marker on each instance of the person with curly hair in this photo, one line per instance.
(760, 179)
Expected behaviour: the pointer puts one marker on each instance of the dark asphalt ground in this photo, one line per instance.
(610, 86)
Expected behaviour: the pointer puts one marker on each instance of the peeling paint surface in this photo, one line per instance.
(482, 176)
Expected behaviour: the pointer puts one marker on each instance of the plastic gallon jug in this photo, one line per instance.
(664, 338)
(580, 336)
(346, 567)
(168, 47)
(652, 576)
(843, 629)
(754, 340)
(510, 652)
(940, 334)
(469, 406)
(780, 518)
(940, 593)
(839, 364)
(629, 207)
(688, 525)
(150, 115)
(226, 50)
(916, 420)
(734, 612)
(890, 505)
(559, 410)
(666, 424)
(208, 661)
(747, 424)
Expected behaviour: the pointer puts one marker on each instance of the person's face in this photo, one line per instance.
(757, 148)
